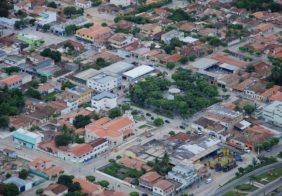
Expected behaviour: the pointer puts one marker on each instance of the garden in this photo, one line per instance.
(269, 176)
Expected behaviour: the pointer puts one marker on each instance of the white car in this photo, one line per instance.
(209, 180)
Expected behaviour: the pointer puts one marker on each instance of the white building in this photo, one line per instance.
(138, 72)
(167, 37)
(183, 174)
(81, 153)
(104, 82)
(26, 138)
(273, 113)
(163, 188)
(104, 101)
(83, 4)
(47, 17)
(123, 3)
(26, 78)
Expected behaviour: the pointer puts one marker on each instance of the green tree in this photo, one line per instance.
(46, 27)
(249, 109)
(69, 11)
(4, 121)
(39, 191)
(276, 73)
(55, 55)
(250, 69)
(23, 174)
(62, 140)
(104, 183)
(65, 180)
(170, 65)
(81, 121)
(96, 2)
(100, 62)
(4, 8)
(171, 133)
(20, 24)
(134, 194)
(52, 4)
(184, 60)
(31, 92)
(9, 189)
(91, 178)
(70, 29)
(115, 112)
(10, 70)
(158, 122)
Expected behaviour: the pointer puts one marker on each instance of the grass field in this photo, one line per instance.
(234, 193)
(246, 187)
(269, 176)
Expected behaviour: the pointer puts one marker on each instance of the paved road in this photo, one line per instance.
(268, 188)
(244, 178)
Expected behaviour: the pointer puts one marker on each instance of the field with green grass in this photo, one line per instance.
(246, 187)
(269, 176)
(234, 193)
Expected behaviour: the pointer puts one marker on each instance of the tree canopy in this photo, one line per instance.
(81, 121)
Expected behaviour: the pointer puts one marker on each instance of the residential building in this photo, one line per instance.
(104, 101)
(113, 130)
(81, 153)
(89, 188)
(183, 174)
(273, 113)
(26, 138)
(104, 82)
(26, 78)
(23, 185)
(120, 40)
(83, 4)
(11, 82)
(14, 60)
(148, 180)
(163, 188)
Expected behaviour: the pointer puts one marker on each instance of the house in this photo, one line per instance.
(10, 153)
(83, 4)
(134, 163)
(183, 174)
(268, 93)
(26, 138)
(45, 88)
(122, 3)
(81, 153)
(45, 167)
(23, 185)
(163, 188)
(148, 180)
(113, 130)
(273, 113)
(120, 40)
(64, 106)
(264, 28)
(26, 78)
(104, 82)
(104, 101)
(11, 82)
(14, 60)
(167, 37)
(150, 30)
(95, 33)
(56, 190)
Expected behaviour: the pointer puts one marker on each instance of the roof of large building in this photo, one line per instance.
(139, 71)
(104, 95)
(80, 149)
(118, 67)
(164, 184)
(150, 177)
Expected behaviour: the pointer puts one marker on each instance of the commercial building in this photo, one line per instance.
(80, 94)
(273, 113)
(104, 82)
(138, 72)
(104, 101)
(26, 138)
(93, 33)
(83, 4)
(118, 67)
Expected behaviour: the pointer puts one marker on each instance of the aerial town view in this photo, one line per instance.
(141, 97)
